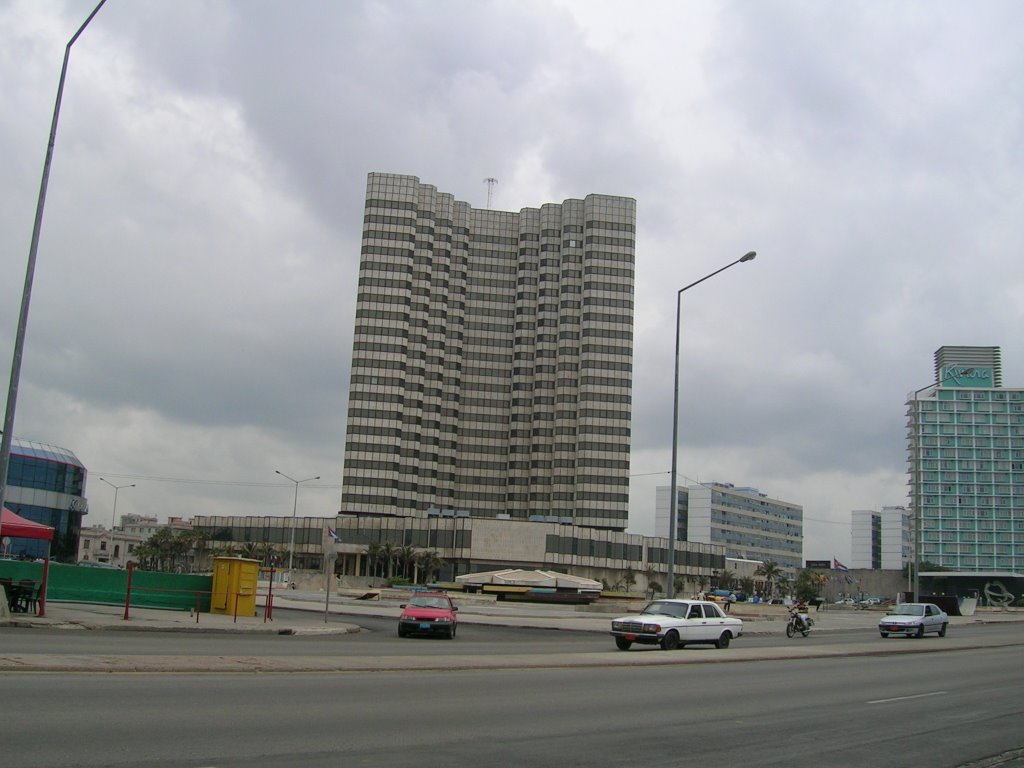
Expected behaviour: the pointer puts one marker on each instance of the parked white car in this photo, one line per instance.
(676, 623)
(914, 619)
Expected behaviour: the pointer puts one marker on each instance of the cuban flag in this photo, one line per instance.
(332, 535)
(836, 565)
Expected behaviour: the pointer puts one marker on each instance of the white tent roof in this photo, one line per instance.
(516, 577)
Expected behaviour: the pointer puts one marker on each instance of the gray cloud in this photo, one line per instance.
(194, 294)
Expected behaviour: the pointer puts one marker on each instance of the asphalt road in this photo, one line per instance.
(936, 708)
(379, 638)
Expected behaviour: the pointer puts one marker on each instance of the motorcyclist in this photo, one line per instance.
(798, 612)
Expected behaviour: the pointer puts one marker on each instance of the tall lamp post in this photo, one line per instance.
(671, 590)
(113, 515)
(919, 470)
(295, 507)
(30, 269)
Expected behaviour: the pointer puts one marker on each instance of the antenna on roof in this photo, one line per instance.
(490, 181)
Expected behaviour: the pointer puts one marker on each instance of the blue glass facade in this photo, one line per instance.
(45, 484)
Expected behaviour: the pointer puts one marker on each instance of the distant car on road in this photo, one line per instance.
(914, 619)
(676, 623)
(428, 613)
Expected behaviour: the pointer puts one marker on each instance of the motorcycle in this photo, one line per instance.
(799, 622)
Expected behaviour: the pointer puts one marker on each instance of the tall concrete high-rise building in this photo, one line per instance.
(492, 358)
(965, 451)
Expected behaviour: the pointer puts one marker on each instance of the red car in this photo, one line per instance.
(428, 613)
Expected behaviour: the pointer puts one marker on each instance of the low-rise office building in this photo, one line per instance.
(467, 544)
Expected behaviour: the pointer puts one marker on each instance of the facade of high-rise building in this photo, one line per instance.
(880, 540)
(965, 448)
(749, 524)
(492, 358)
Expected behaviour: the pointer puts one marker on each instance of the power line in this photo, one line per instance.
(196, 481)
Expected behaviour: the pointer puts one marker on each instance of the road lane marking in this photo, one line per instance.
(906, 698)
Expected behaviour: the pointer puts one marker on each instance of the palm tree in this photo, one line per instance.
(725, 579)
(372, 558)
(771, 571)
(430, 564)
(406, 556)
(387, 554)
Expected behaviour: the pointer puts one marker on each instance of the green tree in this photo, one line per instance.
(406, 557)
(770, 571)
(629, 578)
(429, 564)
(808, 584)
(373, 558)
(725, 579)
(387, 556)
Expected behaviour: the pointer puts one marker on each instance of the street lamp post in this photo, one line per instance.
(30, 269)
(113, 514)
(671, 588)
(295, 507)
(919, 470)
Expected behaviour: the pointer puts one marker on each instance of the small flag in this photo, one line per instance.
(332, 535)
(838, 566)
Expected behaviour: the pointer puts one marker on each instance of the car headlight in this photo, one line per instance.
(655, 628)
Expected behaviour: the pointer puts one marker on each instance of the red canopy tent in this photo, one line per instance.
(17, 527)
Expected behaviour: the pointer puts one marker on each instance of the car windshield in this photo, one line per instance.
(666, 609)
(907, 609)
(423, 601)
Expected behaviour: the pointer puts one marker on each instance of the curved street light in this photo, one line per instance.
(113, 515)
(30, 269)
(295, 507)
(671, 588)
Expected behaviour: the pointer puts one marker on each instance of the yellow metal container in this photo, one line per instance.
(234, 586)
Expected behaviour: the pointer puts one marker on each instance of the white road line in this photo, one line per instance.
(905, 698)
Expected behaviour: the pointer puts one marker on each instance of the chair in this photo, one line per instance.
(29, 597)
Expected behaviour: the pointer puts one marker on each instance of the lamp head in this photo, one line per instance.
(749, 256)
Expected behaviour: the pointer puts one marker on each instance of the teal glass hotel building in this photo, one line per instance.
(965, 449)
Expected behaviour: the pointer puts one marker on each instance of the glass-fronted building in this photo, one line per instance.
(965, 449)
(45, 484)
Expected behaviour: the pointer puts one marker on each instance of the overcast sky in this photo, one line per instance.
(191, 319)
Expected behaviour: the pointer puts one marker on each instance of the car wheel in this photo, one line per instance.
(942, 630)
(622, 643)
(401, 632)
(884, 634)
(670, 641)
(920, 631)
(723, 640)
(451, 632)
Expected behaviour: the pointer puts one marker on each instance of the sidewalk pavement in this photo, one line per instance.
(307, 615)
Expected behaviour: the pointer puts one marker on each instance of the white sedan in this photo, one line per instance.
(676, 623)
(914, 619)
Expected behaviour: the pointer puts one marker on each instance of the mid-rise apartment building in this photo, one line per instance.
(749, 524)
(492, 358)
